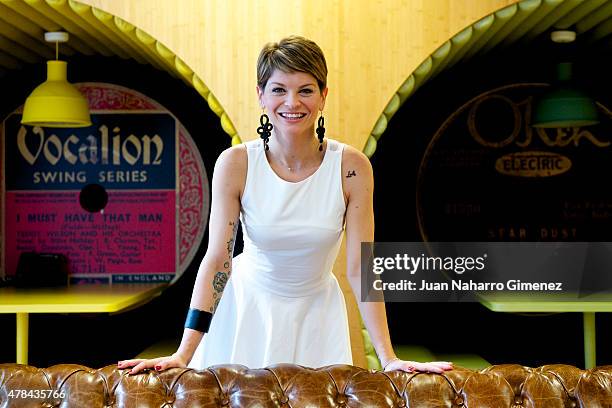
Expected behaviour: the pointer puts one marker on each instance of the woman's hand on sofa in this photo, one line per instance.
(412, 366)
(159, 364)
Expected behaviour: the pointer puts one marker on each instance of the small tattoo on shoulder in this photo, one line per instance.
(351, 173)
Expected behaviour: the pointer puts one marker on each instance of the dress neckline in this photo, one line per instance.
(269, 166)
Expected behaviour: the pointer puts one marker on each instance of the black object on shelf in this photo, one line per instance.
(35, 270)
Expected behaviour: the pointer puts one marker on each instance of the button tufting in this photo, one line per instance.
(458, 401)
(401, 404)
(225, 401)
(284, 399)
(518, 401)
(341, 399)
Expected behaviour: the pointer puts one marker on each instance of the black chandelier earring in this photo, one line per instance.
(321, 131)
(265, 130)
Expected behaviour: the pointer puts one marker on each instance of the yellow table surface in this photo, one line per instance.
(89, 298)
(553, 302)
(547, 302)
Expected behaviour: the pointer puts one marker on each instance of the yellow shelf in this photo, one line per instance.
(556, 303)
(77, 299)
(545, 303)
(98, 298)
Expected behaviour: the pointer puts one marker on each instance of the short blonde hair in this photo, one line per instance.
(292, 54)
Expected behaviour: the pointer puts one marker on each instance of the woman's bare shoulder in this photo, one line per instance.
(355, 160)
(357, 175)
(231, 167)
(233, 156)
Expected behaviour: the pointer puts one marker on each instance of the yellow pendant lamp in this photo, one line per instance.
(564, 105)
(56, 102)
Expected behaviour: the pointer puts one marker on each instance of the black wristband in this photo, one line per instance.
(198, 320)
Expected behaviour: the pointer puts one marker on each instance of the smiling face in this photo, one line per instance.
(292, 101)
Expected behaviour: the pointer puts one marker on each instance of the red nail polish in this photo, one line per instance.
(158, 367)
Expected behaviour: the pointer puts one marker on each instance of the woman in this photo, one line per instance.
(295, 194)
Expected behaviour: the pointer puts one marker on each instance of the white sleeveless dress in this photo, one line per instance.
(282, 304)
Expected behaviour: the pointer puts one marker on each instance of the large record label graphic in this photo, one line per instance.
(488, 175)
(126, 199)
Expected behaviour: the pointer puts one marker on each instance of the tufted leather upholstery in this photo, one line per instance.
(286, 385)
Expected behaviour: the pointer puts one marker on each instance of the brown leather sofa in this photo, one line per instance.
(511, 386)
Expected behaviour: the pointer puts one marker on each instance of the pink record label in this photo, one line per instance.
(136, 161)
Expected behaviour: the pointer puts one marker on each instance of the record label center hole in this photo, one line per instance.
(93, 198)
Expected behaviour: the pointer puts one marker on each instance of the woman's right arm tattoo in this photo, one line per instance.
(220, 279)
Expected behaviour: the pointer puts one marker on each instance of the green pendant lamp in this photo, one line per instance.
(564, 105)
(56, 102)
